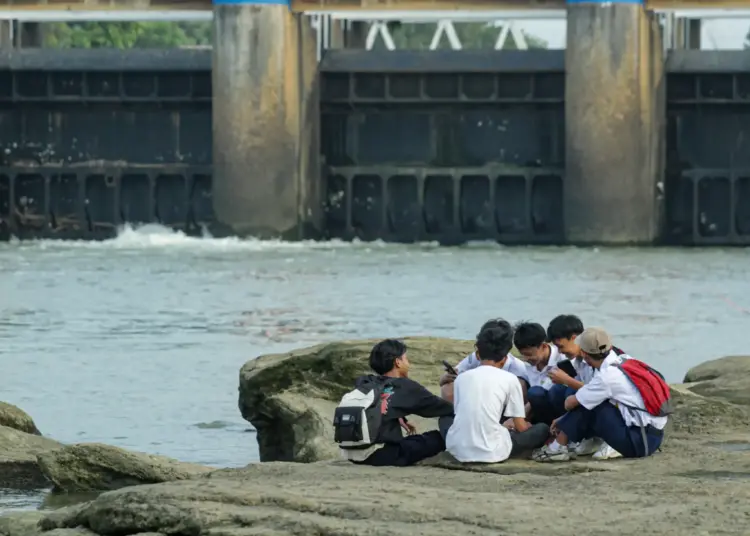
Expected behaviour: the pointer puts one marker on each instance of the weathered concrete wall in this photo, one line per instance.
(264, 73)
(309, 174)
(614, 116)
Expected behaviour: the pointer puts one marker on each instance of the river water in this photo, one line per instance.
(137, 341)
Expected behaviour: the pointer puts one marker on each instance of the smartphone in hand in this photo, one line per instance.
(449, 368)
(567, 367)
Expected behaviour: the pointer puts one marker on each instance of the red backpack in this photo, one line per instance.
(650, 384)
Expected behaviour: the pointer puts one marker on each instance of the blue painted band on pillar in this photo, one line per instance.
(253, 2)
(632, 2)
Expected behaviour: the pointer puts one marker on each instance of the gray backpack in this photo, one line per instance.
(357, 419)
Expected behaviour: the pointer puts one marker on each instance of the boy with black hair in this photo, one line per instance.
(563, 331)
(512, 364)
(610, 406)
(399, 397)
(546, 400)
(484, 397)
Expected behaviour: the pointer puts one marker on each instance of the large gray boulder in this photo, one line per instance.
(95, 467)
(14, 417)
(727, 378)
(18, 463)
(289, 398)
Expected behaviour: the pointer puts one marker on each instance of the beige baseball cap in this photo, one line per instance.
(594, 341)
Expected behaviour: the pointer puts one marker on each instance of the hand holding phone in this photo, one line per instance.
(449, 368)
(567, 367)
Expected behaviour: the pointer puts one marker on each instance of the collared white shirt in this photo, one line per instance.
(512, 364)
(611, 384)
(541, 378)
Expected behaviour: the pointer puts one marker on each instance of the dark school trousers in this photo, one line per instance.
(605, 421)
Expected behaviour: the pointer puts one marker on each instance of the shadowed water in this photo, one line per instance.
(137, 341)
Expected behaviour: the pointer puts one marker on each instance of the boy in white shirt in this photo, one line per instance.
(512, 364)
(483, 397)
(562, 332)
(610, 406)
(546, 399)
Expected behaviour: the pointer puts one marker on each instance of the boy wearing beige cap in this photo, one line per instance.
(612, 406)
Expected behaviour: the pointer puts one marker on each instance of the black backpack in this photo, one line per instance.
(358, 417)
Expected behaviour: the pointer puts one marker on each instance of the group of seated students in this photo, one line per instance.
(497, 405)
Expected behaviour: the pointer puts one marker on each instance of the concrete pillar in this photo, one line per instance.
(6, 35)
(614, 122)
(265, 120)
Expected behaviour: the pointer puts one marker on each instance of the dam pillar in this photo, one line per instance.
(614, 122)
(265, 120)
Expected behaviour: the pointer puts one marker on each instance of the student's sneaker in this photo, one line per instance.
(546, 454)
(606, 452)
(587, 447)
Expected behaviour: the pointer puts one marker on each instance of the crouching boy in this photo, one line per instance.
(369, 420)
(626, 404)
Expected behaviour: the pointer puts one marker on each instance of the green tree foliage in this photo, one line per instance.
(162, 34)
(122, 35)
(472, 35)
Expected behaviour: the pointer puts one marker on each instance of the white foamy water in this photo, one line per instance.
(154, 236)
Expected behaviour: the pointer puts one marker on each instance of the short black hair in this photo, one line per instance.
(493, 344)
(529, 335)
(384, 354)
(495, 323)
(564, 327)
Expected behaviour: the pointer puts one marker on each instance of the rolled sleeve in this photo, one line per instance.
(593, 393)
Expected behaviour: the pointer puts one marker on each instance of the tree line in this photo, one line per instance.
(162, 34)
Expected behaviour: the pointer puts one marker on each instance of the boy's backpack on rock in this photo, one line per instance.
(358, 417)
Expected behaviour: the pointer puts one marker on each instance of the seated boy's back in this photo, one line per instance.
(482, 396)
(390, 397)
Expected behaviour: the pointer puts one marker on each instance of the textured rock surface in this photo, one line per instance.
(694, 486)
(14, 417)
(93, 466)
(289, 398)
(727, 378)
(18, 464)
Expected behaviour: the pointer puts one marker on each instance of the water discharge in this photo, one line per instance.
(137, 341)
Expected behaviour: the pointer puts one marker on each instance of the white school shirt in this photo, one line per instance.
(512, 364)
(584, 370)
(540, 378)
(482, 397)
(611, 384)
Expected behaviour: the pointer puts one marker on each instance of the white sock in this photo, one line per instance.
(555, 446)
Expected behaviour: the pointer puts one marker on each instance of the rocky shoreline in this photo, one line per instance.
(698, 484)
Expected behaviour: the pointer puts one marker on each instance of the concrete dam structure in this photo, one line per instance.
(615, 140)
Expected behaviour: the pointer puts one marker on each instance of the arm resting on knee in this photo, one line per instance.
(571, 403)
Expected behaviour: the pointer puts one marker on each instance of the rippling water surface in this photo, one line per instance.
(137, 341)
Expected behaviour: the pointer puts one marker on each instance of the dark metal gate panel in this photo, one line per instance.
(708, 148)
(445, 146)
(93, 139)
